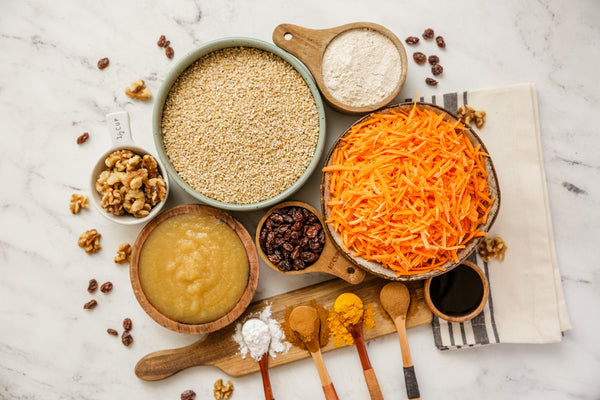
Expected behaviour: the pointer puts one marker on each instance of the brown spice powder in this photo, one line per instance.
(295, 339)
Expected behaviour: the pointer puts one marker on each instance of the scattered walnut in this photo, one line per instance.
(138, 90)
(132, 184)
(90, 241)
(491, 248)
(467, 114)
(123, 253)
(78, 201)
(223, 392)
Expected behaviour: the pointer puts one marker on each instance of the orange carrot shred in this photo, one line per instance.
(408, 190)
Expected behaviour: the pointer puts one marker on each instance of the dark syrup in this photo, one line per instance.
(457, 292)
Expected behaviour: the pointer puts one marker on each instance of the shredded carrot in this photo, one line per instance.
(408, 190)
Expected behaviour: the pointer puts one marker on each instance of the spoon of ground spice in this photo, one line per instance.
(305, 322)
(350, 309)
(395, 299)
(255, 334)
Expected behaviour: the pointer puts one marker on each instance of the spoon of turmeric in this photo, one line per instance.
(304, 320)
(350, 309)
(395, 299)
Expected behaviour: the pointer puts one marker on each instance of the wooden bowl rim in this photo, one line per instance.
(466, 317)
(376, 268)
(240, 306)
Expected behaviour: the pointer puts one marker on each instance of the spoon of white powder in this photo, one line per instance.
(256, 336)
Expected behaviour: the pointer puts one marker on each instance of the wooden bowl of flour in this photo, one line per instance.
(373, 77)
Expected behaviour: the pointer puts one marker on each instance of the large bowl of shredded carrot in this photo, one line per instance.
(408, 192)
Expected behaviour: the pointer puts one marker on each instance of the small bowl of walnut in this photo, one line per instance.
(128, 184)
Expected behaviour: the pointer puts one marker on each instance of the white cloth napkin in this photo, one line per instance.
(526, 303)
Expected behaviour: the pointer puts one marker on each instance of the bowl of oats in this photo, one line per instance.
(239, 124)
(128, 184)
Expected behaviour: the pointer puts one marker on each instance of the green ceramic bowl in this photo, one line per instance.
(189, 59)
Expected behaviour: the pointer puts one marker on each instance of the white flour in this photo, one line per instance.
(361, 67)
(259, 334)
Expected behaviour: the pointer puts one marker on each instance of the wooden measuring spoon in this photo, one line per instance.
(330, 261)
(357, 334)
(309, 45)
(304, 320)
(260, 341)
(395, 299)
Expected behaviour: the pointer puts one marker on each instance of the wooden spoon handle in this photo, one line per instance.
(264, 372)
(328, 389)
(370, 378)
(410, 378)
(333, 262)
(164, 363)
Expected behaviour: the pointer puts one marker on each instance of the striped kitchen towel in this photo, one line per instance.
(526, 303)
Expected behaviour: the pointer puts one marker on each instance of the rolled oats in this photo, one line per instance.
(90, 241)
(78, 201)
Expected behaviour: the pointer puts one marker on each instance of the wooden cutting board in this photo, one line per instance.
(219, 349)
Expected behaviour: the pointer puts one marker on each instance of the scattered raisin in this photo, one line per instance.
(83, 138)
(92, 286)
(90, 305)
(127, 324)
(440, 42)
(106, 287)
(428, 34)
(126, 338)
(419, 58)
(103, 63)
(412, 40)
(433, 59)
(112, 332)
(431, 81)
(188, 395)
(169, 52)
(161, 41)
(437, 69)
(167, 44)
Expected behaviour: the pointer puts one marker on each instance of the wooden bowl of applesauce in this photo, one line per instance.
(194, 269)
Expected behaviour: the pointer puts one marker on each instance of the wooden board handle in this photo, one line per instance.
(306, 44)
(164, 363)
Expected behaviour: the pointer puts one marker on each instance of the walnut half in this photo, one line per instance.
(468, 114)
(90, 241)
(138, 90)
(123, 253)
(78, 201)
(222, 392)
(491, 248)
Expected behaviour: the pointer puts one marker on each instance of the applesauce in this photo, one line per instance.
(193, 268)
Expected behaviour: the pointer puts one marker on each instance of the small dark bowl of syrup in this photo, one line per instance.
(459, 294)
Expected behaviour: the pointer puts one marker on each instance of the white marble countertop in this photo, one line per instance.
(51, 92)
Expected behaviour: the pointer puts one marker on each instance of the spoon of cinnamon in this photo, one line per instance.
(304, 320)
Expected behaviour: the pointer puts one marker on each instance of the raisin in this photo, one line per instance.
(127, 324)
(433, 59)
(419, 58)
(440, 42)
(103, 63)
(161, 41)
(428, 34)
(431, 81)
(92, 286)
(437, 69)
(188, 395)
(167, 44)
(112, 332)
(90, 305)
(412, 40)
(126, 338)
(169, 52)
(106, 287)
(81, 139)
